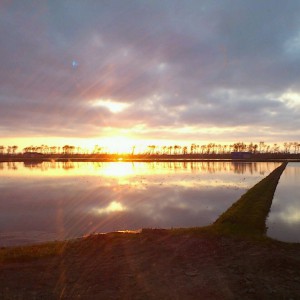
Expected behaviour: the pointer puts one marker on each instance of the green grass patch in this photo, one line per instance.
(248, 215)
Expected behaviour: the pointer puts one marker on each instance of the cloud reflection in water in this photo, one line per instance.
(284, 219)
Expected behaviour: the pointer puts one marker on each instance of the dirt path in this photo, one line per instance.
(158, 265)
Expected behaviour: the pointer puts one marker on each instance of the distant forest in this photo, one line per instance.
(176, 150)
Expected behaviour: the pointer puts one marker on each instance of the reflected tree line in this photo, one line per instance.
(151, 167)
(206, 149)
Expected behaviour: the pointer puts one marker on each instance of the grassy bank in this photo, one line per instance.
(248, 215)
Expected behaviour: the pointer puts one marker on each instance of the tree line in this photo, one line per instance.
(210, 148)
(213, 148)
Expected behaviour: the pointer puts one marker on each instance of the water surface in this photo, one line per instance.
(284, 219)
(51, 201)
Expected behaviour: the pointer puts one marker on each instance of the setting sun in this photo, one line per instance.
(118, 145)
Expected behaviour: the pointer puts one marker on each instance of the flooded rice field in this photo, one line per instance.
(54, 201)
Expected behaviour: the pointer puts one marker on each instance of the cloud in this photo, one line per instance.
(174, 65)
(111, 208)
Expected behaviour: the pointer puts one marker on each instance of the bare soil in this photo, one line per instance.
(158, 264)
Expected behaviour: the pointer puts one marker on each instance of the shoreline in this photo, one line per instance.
(37, 157)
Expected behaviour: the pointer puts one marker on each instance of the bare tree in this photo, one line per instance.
(133, 149)
(2, 149)
(14, 149)
(151, 149)
(53, 150)
(193, 148)
(176, 149)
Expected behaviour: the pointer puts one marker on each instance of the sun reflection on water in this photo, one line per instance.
(117, 169)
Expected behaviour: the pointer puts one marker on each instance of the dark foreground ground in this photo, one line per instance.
(157, 264)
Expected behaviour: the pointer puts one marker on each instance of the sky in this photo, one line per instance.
(165, 72)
